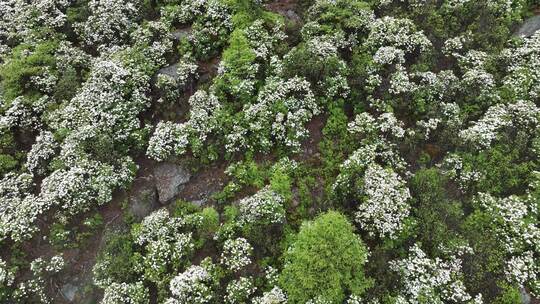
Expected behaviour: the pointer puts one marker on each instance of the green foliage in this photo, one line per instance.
(509, 295)
(437, 216)
(120, 258)
(26, 61)
(326, 259)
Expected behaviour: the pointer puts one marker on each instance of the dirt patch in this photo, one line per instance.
(281, 6)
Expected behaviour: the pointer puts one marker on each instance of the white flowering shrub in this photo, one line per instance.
(521, 115)
(7, 275)
(20, 114)
(192, 286)
(263, 208)
(210, 30)
(169, 139)
(236, 254)
(123, 293)
(385, 207)
(33, 288)
(19, 210)
(166, 241)
(523, 79)
(239, 291)
(399, 33)
(518, 229)
(274, 296)
(109, 23)
(282, 109)
(173, 139)
(434, 280)
(41, 152)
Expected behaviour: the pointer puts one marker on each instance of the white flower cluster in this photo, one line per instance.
(33, 289)
(262, 40)
(26, 20)
(239, 291)
(19, 114)
(109, 23)
(7, 275)
(236, 254)
(398, 33)
(211, 29)
(518, 228)
(18, 210)
(452, 166)
(169, 138)
(41, 152)
(174, 138)
(427, 280)
(355, 166)
(278, 116)
(274, 296)
(522, 114)
(192, 286)
(385, 124)
(385, 208)
(264, 207)
(524, 69)
(124, 293)
(165, 241)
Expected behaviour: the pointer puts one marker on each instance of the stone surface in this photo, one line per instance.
(143, 198)
(69, 292)
(181, 33)
(170, 180)
(171, 71)
(525, 296)
(529, 27)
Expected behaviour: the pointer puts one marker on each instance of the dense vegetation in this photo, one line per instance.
(365, 151)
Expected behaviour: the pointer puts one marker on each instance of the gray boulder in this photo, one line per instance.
(143, 198)
(529, 27)
(69, 292)
(171, 71)
(170, 180)
(181, 33)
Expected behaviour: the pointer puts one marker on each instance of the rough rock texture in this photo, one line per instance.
(170, 180)
(529, 27)
(69, 291)
(143, 198)
(171, 70)
(181, 33)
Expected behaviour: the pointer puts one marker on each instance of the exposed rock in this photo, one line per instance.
(171, 71)
(181, 33)
(525, 296)
(529, 27)
(143, 198)
(170, 180)
(292, 15)
(69, 292)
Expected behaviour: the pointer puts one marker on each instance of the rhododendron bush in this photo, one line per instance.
(269, 152)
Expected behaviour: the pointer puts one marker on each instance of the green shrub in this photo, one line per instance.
(326, 259)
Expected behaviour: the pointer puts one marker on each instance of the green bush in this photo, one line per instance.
(326, 259)
(26, 61)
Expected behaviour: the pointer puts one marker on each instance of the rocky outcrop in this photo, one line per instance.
(170, 180)
(529, 27)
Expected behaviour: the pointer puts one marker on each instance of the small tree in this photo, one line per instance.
(325, 261)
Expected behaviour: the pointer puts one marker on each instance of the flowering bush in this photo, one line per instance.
(236, 254)
(282, 109)
(434, 280)
(385, 206)
(239, 291)
(263, 208)
(124, 293)
(192, 286)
